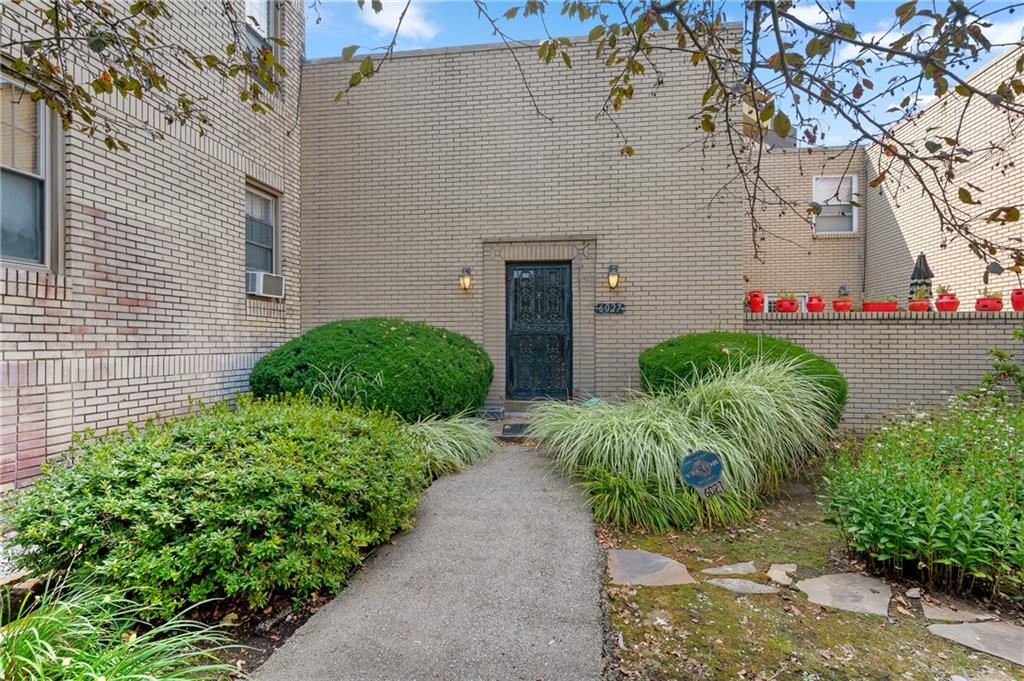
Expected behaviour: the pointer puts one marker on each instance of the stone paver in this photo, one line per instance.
(943, 613)
(1000, 639)
(642, 568)
(848, 591)
(779, 573)
(744, 586)
(501, 578)
(735, 569)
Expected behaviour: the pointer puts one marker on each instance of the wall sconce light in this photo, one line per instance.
(466, 278)
(613, 276)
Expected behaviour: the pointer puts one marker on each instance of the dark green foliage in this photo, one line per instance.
(943, 492)
(685, 358)
(410, 368)
(280, 494)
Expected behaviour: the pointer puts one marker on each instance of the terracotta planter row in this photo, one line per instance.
(945, 302)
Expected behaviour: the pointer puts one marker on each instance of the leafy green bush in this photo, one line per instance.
(412, 369)
(89, 633)
(764, 418)
(687, 357)
(452, 444)
(944, 492)
(278, 494)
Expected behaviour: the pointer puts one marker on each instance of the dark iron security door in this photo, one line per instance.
(538, 330)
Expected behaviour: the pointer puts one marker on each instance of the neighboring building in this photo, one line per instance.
(124, 290)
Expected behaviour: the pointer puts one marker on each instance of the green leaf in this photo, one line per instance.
(965, 196)
(366, 67)
(355, 79)
(781, 125)
(906, 12)
(511, 14)
(595, 33)
(347, 53)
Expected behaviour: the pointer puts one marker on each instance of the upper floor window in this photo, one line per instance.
(259, 19)
(260, 231)
(25, 172)
(835, 196)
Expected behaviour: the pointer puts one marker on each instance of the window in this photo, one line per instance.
(24, 175)
(835, 196)
(260, 231)
(259, 19)
(770, 298)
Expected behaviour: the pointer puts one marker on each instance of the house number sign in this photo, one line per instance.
(610, 308)
(702, 470)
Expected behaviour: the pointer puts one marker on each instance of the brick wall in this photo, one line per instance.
(790, 256)
(146, 306)
(893, 360)
(903, 223)
(441, 163)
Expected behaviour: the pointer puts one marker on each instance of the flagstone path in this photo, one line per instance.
(843, 591)
(501, 578)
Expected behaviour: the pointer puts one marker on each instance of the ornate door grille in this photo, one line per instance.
(538, 330)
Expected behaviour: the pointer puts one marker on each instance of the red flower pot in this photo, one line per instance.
(988, 305)
(947, 302)
(1017, 299)
(755, 301)
(920, 305)
(842, 304)
(786, 305)
(880, 306)
(815, 304)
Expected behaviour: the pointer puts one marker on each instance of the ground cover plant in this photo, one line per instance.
(413, 369)
(764, 417)
(283, 494)
(687, 357)
(941, 494)
(88, 633)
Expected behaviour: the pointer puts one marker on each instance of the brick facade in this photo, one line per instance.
(903, 223)
(146, 308)
(455, 169)
(790, 255)
(894, 361)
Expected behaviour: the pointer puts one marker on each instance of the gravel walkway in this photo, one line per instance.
(500, 579)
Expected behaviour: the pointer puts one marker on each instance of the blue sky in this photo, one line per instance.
(443, 23)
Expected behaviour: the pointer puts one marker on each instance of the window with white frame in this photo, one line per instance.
(260, 231)
(25, 176)
(834, 193)
(259, 19)
(771, 298)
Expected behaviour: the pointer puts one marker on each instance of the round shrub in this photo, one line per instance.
(283, 495)
(686, 358)
(413, 369)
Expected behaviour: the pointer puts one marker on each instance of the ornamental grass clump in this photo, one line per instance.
(628, 454)
(87, 633)
(453, 444)
(278, 495)
(939, 496)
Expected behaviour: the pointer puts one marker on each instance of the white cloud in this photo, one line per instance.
(849, 51)
(416, 26)
(1005, 32)
(809, 12)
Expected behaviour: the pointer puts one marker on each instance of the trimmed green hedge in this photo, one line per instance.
(413, 369)
(283, 495)
(688, 357)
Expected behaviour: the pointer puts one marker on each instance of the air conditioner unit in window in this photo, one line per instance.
(264, 284)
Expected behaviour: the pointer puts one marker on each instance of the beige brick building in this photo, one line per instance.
(131, 298)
